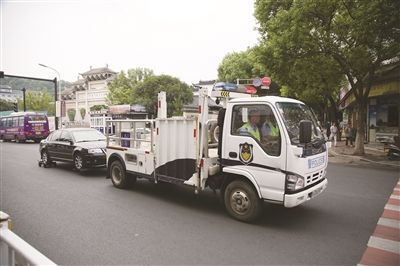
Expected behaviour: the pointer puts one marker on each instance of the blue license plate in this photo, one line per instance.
(312, 163)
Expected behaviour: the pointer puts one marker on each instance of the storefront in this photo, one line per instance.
(383, 114)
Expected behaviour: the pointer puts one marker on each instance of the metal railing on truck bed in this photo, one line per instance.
(131, 133)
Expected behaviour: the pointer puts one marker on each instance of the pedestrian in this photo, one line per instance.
(334, 131)
(349, 134)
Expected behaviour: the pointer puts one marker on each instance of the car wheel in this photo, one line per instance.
(118, 174)
(78, 161)
(45, 158)
(242, 202)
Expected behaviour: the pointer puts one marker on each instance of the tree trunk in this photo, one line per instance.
(361, 125)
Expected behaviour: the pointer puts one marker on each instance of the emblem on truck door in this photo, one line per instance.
(246, 152)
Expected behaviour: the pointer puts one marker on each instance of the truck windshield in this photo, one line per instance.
(292, 114)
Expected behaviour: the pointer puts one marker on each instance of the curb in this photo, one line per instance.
(383, 245)
(362, 159)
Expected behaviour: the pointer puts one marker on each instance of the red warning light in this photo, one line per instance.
(266, 81)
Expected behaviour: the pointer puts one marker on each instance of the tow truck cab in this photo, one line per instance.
(288, 168)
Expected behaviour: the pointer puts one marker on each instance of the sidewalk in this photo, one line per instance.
(383, 247)
(374, 155)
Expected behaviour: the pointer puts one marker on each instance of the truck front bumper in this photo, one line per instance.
(292, 200)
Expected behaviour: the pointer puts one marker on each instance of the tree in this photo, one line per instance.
(71, 114)
(240, 65)
(122, 87)
(38, 101)
(98, 107)
(315, 80)
(178, 93)
(120, 90)
(359, 36)
(83, 113)
(6, 105)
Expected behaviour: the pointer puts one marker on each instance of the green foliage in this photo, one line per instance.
(178, 93)
(242, 65)
(122, 87)
(32, 85)
(38, 101)
(98, 107)
(120, 90)
(6, 105)
(71, 114)
(327, 40)
(83, 113)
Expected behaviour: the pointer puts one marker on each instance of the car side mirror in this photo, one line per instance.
(305, 131)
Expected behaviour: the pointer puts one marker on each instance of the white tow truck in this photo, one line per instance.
(287, 167)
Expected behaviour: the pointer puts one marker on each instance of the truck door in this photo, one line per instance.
(254, 143)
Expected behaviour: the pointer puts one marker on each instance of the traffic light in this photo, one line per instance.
(15, 106)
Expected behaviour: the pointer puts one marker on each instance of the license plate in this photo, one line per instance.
(312, 163)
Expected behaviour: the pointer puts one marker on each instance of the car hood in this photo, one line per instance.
(91, 144)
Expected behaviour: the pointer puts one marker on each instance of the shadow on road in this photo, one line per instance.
(69, 169)
(211, 203)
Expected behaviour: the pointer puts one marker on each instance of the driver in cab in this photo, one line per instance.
(250, 128)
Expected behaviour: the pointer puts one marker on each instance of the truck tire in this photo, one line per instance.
(213, 136)
(242, 202)
(118, 174)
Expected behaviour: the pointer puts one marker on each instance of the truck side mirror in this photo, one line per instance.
(305, 131)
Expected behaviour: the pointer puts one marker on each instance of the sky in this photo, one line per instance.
(186, 39)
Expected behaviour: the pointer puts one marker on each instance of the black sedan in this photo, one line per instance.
(84, 147)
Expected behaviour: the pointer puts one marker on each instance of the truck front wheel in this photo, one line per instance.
(241, 201)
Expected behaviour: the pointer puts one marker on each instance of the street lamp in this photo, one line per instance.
(59, 92)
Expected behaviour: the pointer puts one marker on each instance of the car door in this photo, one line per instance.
(66, 146)
(51, 144)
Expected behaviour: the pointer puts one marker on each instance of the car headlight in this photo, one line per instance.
(294, 182)
(94, 151)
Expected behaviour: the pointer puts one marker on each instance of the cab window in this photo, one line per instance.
(259, 123)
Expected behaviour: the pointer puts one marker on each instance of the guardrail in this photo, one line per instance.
(12, 246)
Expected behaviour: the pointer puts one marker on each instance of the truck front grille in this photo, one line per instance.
(314, 177)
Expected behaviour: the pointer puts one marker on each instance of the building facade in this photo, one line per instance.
(89, 90)
(383, 114)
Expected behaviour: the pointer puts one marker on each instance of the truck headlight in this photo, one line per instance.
(95, 151)
(294, 182)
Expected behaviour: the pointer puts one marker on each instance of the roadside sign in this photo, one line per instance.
(257, 82)
(266, 81)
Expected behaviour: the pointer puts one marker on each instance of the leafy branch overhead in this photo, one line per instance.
(316, 45)
(141, 86)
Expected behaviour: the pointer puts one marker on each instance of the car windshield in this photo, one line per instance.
(88, 135)
(292, 114)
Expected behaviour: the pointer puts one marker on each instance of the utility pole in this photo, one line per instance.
(23, 98)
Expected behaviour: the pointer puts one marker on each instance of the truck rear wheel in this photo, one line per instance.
(242, 202)
(118, 174)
